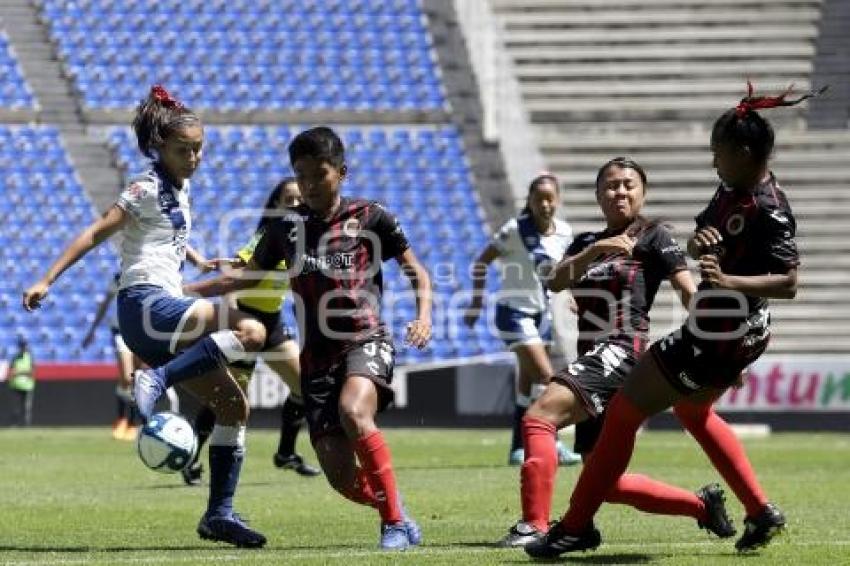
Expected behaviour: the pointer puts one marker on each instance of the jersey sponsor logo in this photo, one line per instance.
(735, 224)
(338, 261)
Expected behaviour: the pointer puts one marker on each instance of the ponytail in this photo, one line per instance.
(743, 126)
(157, 117)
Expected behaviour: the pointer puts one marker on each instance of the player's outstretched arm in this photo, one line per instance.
(197, 259)
(418, 330)
(229, 282)
(478, 273)
(101, 229)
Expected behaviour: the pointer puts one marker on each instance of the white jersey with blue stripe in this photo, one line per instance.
(154, 244)
(526, 258)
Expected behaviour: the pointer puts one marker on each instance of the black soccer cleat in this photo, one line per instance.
(718, 521)
(520, 534)
(231, 529)
(759, 530)
(558, 541)
(296, 463)
(192, 473)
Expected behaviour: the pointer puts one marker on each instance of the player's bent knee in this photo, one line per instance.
(356, 417)
(545, 410)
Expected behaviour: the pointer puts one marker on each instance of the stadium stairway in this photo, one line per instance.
(832, 67)
(645, 78)
(642, 61)
(43, 72)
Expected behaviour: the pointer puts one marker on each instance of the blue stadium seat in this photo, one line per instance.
(43, 202)
(236, 54)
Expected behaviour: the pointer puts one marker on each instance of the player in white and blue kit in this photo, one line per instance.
(528, 247)
(157, 322)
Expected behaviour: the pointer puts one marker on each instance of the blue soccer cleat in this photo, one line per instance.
(414, 532)
(394, 536)
(231, 529)
(148, 387)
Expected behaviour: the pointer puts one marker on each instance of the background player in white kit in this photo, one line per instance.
(529, 246)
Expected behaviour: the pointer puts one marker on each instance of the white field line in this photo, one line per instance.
(277, 554)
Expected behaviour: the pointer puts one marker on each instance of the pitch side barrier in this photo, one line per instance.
(784, 392)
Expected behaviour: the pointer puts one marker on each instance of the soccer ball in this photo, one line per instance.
(167, 443)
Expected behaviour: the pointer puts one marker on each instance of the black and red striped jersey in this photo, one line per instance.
(334, 267)
(758, 231)
(616, 292)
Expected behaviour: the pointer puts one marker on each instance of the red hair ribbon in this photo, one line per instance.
(159, 92)
(751, 102)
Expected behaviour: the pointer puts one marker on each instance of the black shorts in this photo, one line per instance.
(373, 359)
(692, 363)
(276, 331)
(594, 378)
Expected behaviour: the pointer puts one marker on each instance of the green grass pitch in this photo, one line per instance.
(75, 496)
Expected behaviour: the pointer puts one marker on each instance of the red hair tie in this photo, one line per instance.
(750, 102)
(159, 92)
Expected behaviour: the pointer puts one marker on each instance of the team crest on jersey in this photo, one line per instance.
(351, 227)
(136, 190)
(735, 224)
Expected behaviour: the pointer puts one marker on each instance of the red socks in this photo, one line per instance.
(606, 463)
(374, 456)
(725, 452)
(650, 496)
(538, 471)
(360, 492)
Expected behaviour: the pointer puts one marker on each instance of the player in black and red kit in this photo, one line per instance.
(614, 276)
(333, 248)
(744, 241)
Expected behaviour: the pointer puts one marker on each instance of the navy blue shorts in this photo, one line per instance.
(150, 319)
(516, 327)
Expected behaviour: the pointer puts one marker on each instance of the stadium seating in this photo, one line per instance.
(362, 55)
(14, 92)
(419, 173)
(43, 207)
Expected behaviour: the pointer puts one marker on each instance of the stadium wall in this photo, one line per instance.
(787, 393)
